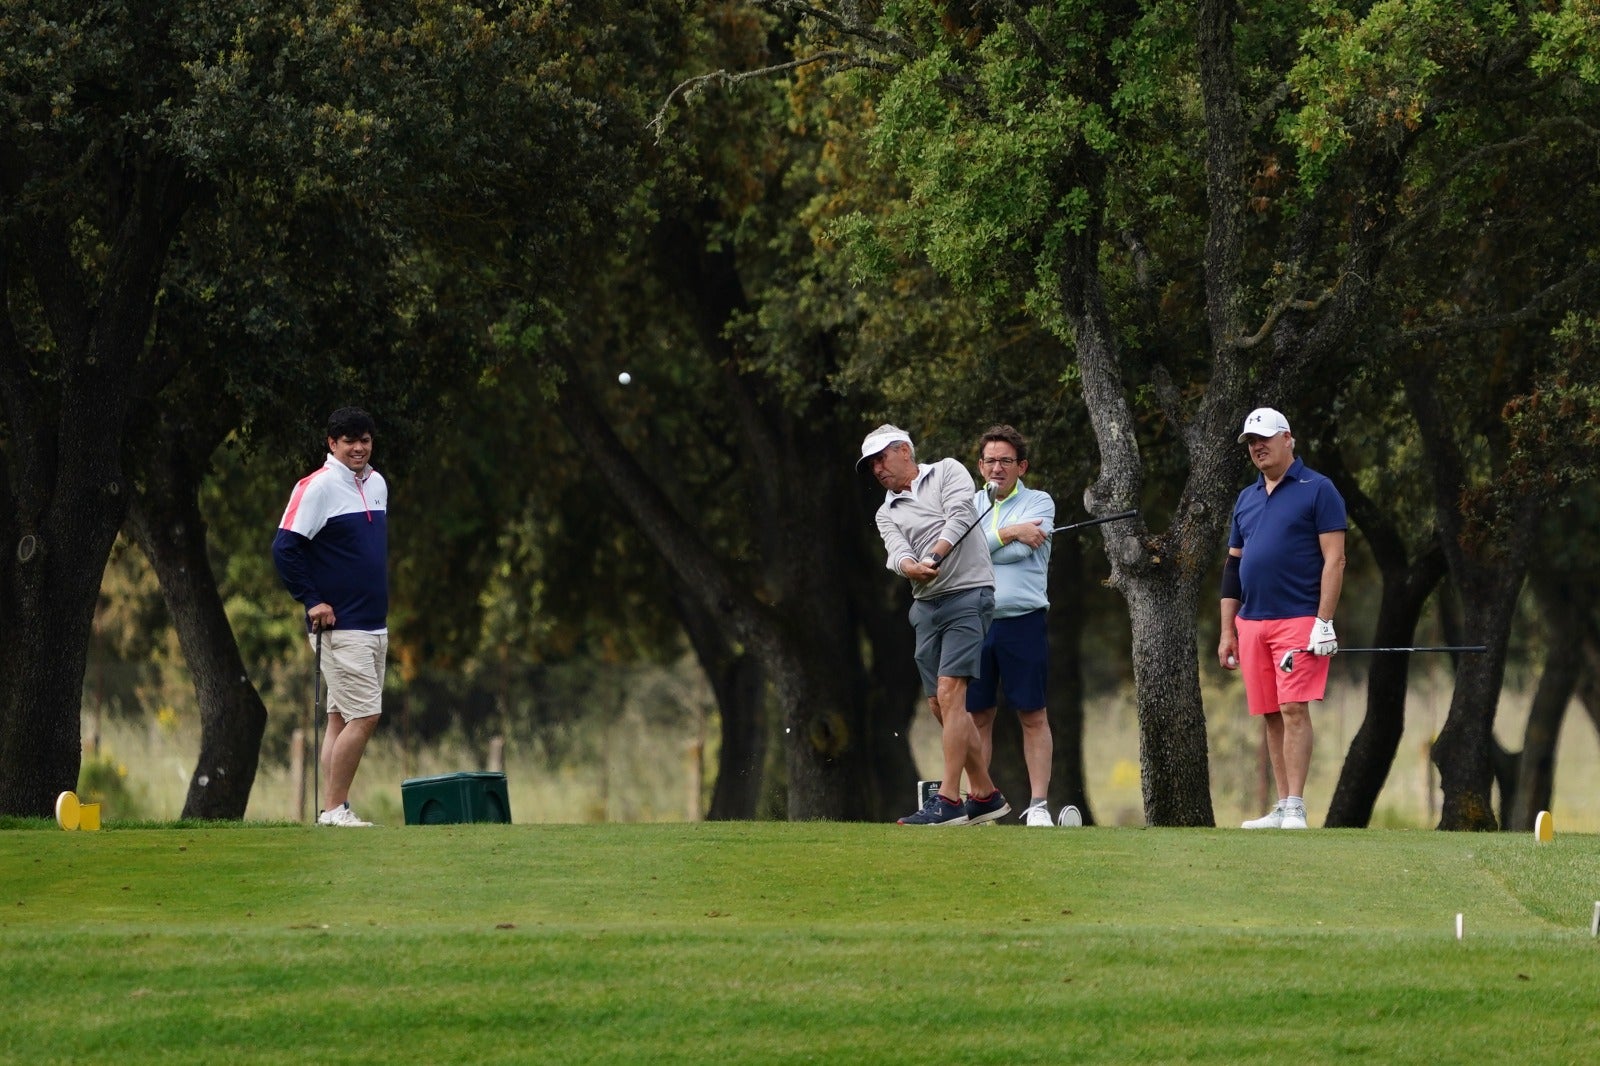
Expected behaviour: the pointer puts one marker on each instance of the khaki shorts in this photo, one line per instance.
(352, 669)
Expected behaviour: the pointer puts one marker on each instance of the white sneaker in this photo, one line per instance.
(1070, 817)
(1273, 819)
(1038, 814)
(1293, 818)
(341, 815)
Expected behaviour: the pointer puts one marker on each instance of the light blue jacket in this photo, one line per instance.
(1020, 572)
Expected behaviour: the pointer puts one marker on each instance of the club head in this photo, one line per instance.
(990, 488)
(1286, 664)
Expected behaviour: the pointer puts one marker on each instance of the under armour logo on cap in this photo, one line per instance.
(1264, 422)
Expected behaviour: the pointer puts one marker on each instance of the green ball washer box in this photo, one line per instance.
(468, 796)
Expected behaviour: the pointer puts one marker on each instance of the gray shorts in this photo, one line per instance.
(950, 631)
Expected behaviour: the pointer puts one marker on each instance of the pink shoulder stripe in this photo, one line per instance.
(295, 498)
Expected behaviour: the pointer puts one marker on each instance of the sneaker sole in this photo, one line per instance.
(959, 820)
(989, 816)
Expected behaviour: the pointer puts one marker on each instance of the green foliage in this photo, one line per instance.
(1569, 40)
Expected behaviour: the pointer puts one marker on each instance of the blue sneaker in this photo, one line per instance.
(988, 809)
(938, 811)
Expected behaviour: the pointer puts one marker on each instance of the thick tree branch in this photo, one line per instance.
(1537, 305)
(850, 25)
(1436, 194)
(1277, 311)
(840, 60)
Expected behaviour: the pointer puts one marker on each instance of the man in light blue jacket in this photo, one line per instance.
(1016, 650)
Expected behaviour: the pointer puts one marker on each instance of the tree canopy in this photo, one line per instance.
(1118, 226)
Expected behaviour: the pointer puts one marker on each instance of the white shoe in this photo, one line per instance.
(341, 815)
(1070, 817)
(1273, 819)
(1038, 814)
(1293, 818)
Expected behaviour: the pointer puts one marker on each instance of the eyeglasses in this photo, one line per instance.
(1002, 460)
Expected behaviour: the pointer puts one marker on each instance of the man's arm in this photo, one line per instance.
(1228, 633)
(896, 546)
(955, 500)
(1028, 533)
(1332, 545)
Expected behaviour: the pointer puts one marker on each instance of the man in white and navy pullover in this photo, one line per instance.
(332, 554)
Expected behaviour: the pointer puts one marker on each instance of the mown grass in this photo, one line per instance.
(780, 943)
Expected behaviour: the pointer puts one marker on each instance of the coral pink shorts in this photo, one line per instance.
(1262, 646)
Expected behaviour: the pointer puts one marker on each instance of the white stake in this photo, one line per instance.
(1458, 927)
(1594, 924)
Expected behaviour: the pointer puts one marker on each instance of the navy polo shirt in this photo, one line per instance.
(1281, 569)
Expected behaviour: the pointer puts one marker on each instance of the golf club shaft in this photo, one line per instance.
(1359, 651)
(1098, 521)
(316, 714)
(1287, 663)
(976, 522)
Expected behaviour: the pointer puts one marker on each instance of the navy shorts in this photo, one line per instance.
(1016, 657)
(950, 631)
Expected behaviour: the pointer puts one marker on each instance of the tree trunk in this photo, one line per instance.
(52, 570)
(1488, 567)
(1067, 781)
(1563, 663)
(66, 490)
(740, 689)
(1158, 575)
(807, 642)
(166, 523)
(1175, 774)
(1407, 584)
(1464, 751)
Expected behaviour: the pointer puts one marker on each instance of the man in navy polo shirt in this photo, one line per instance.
(1280, 586)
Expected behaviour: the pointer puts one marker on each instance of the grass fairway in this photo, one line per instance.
(778, 943)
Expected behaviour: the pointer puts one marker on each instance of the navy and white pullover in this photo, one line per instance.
(332, 545)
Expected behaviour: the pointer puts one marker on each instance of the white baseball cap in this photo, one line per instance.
(1264, 422)
(879, 439)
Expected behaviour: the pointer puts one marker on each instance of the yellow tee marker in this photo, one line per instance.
(1544, 828)
(89, 816)
(67, 810)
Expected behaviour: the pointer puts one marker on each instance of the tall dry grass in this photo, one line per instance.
(638, 763)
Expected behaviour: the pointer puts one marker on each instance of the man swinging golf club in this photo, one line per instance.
(1280, 586)
(926, 514)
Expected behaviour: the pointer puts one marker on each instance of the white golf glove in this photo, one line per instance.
(1323, 641)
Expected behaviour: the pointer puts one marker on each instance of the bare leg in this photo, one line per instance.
(962, 747)
(983, 721)
(1275, 731)
(341, 754)
(1037, 749)
(1295, 747)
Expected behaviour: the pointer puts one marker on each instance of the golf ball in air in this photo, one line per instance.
(624, 377)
